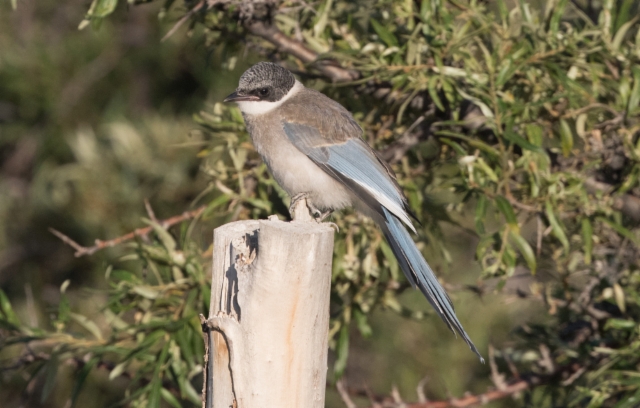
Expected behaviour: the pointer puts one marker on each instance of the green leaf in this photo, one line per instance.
(7, 310)
(362, 323)
(89, 325)
(51, 374)
(147, 292)
(81, 376)
(621, 33)
(566, 137)
(624, 12)
(525, 249)
(391, 259)
(118, 370)
(119, 275)
(535, 134)
(587, 240)
(165, 237)
(433, 91)
(14, 4)
(384, 34)
(64, 310)
(556, 17)
(215, 203)
(170, 398)
(504, 11)
(556, 228)
(322, 18)
(620, 324)
(522, 142)
(634, 97)
(507, 210)
(482, 165)
(481, 213)
(455, 146)
(155, 387)
(103, 8)
(342, 351)
(471, 141)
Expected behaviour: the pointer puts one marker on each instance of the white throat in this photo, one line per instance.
(262, 107)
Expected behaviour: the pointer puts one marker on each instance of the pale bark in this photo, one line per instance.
(269, 314)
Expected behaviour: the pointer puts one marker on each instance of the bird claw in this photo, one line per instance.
(334, 225)
(316, 213)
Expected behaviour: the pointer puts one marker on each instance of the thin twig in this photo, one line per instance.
(182, 20)
(344, 395)
(150, 212)
(169, 222)
(496, 378)
(526, 382)
(290, 46)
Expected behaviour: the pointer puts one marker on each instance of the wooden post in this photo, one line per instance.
(269, 316)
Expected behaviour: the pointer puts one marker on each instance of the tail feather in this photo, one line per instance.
(420, 274)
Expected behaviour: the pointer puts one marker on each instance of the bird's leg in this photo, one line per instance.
(294, 202)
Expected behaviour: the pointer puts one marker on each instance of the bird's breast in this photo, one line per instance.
(291, 168)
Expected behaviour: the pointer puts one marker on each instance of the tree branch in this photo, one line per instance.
(140, 232)
(525, 382)
(290, 46)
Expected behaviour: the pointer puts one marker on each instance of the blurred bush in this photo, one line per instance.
(513, 128)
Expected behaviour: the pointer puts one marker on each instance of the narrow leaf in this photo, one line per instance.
(104, 8)
(618, 294)
(481, 213)
(7, 310)
(620, 324)
(587, 240)
(522, 142)
(558, 12)
(80, 379)
(433, 92)
(526, 250)
(556, 228)
(566, 137)
(634, 98)
(507, 210)
(51, 374)
(342, 351)
(621, 33)
(89, 325)
(170, 398)
(384, 34)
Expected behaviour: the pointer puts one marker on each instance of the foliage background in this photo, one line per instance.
(513, 127)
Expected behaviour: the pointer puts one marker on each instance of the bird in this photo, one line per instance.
(314, 149)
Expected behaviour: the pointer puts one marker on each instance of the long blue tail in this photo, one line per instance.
(420, 274)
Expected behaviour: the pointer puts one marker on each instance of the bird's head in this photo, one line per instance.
(261, 87)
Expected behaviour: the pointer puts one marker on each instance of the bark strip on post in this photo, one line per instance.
(269, 314)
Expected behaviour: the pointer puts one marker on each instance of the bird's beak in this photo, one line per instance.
(235, 97)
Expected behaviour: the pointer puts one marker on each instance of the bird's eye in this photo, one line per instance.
(264, 91)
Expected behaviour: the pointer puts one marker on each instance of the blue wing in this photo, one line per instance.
(355, 164)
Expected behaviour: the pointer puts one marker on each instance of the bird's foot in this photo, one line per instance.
(320, 216)
(314, 212)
